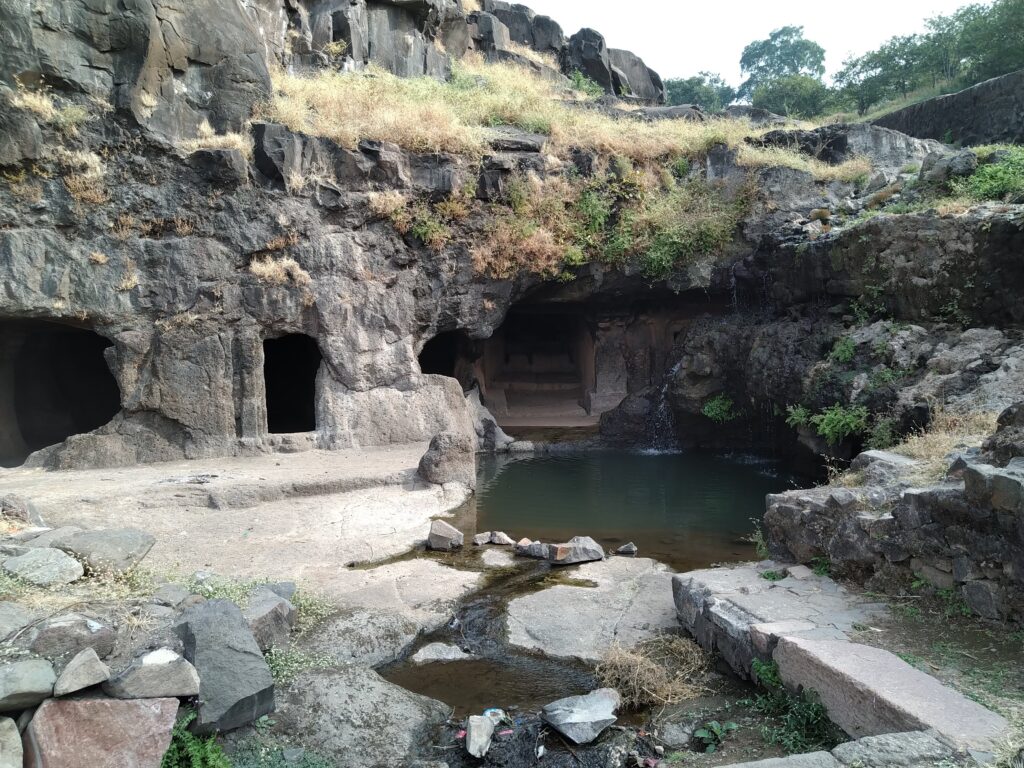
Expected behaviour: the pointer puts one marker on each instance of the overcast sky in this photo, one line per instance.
(679, 38)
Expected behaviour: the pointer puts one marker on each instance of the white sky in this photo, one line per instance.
(679, 38)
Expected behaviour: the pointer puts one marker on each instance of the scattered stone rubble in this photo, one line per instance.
(83, 694)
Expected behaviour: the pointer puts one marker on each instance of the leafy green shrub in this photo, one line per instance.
(758, 540)
(720, 409)
(691, 220)
(883, 433)
(803, 724)
(839, 422)
(713, 733)
(844, 350)
(797, 416)
(585, 85)
(773, 575)
(995, 181)
(821, 566)
(189, 751)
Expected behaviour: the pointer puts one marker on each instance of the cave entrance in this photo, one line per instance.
(290, 366)
(54, 383)
(539, 368)
(454, 354)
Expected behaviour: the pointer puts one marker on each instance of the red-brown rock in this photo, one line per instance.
(99, 733)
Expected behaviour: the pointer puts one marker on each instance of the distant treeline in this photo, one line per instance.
(784, 72)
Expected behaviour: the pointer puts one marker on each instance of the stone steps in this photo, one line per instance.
(801, 622)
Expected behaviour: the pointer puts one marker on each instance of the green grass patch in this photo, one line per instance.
(1001, 180)
(190, 751)
(800, 723)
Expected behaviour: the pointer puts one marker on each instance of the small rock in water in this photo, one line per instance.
(581, 719)
(501, 539)
(439, 652)
(482, 538)
(579, 549)
(627, 549)
(535, 549)
(479, 731)
(444, 537)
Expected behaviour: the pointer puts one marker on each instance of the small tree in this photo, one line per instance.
(707, 90)
(793, 96)
(785, 53)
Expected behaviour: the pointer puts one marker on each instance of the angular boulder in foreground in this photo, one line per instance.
(100, 733)
(236, 687)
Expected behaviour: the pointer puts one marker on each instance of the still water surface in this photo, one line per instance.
(686, 510)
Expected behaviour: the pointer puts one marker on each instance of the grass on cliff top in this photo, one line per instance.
(947, 431)
(427, 115)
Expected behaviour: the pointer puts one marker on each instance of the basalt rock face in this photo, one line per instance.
(988, 113)
(172, 66)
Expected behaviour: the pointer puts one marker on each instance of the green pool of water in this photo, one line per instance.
(684, 509)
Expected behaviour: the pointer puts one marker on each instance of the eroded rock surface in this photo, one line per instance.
(620, 601)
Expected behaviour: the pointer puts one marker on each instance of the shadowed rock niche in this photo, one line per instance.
(290, 366)
(558, 364)
(54, 383)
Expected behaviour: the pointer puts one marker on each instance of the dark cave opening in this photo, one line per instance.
(290, 366)
(54, 383)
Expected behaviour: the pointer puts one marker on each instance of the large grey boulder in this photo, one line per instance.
(444, 537)
(83, 671)
(451, 458)
(25, 683)
(52, 537)
(115, 551)
(155, 675)
(586, 52)
(271, 618)
(354, 711)
(636, 78)
(45, 567)
(236, 687)
(581, 719)
(579, 549)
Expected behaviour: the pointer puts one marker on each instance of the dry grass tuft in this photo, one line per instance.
(471, 6)
(98, 258)
(65, 119)
(425, 115)
(765, 157)
(387, 205)
(130, 279)
(947, 431)
(663, 670)
(544, 59)
(86, 189)
(279, 271)
(208, 138)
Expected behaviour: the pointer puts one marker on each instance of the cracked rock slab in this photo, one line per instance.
(630, 601)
